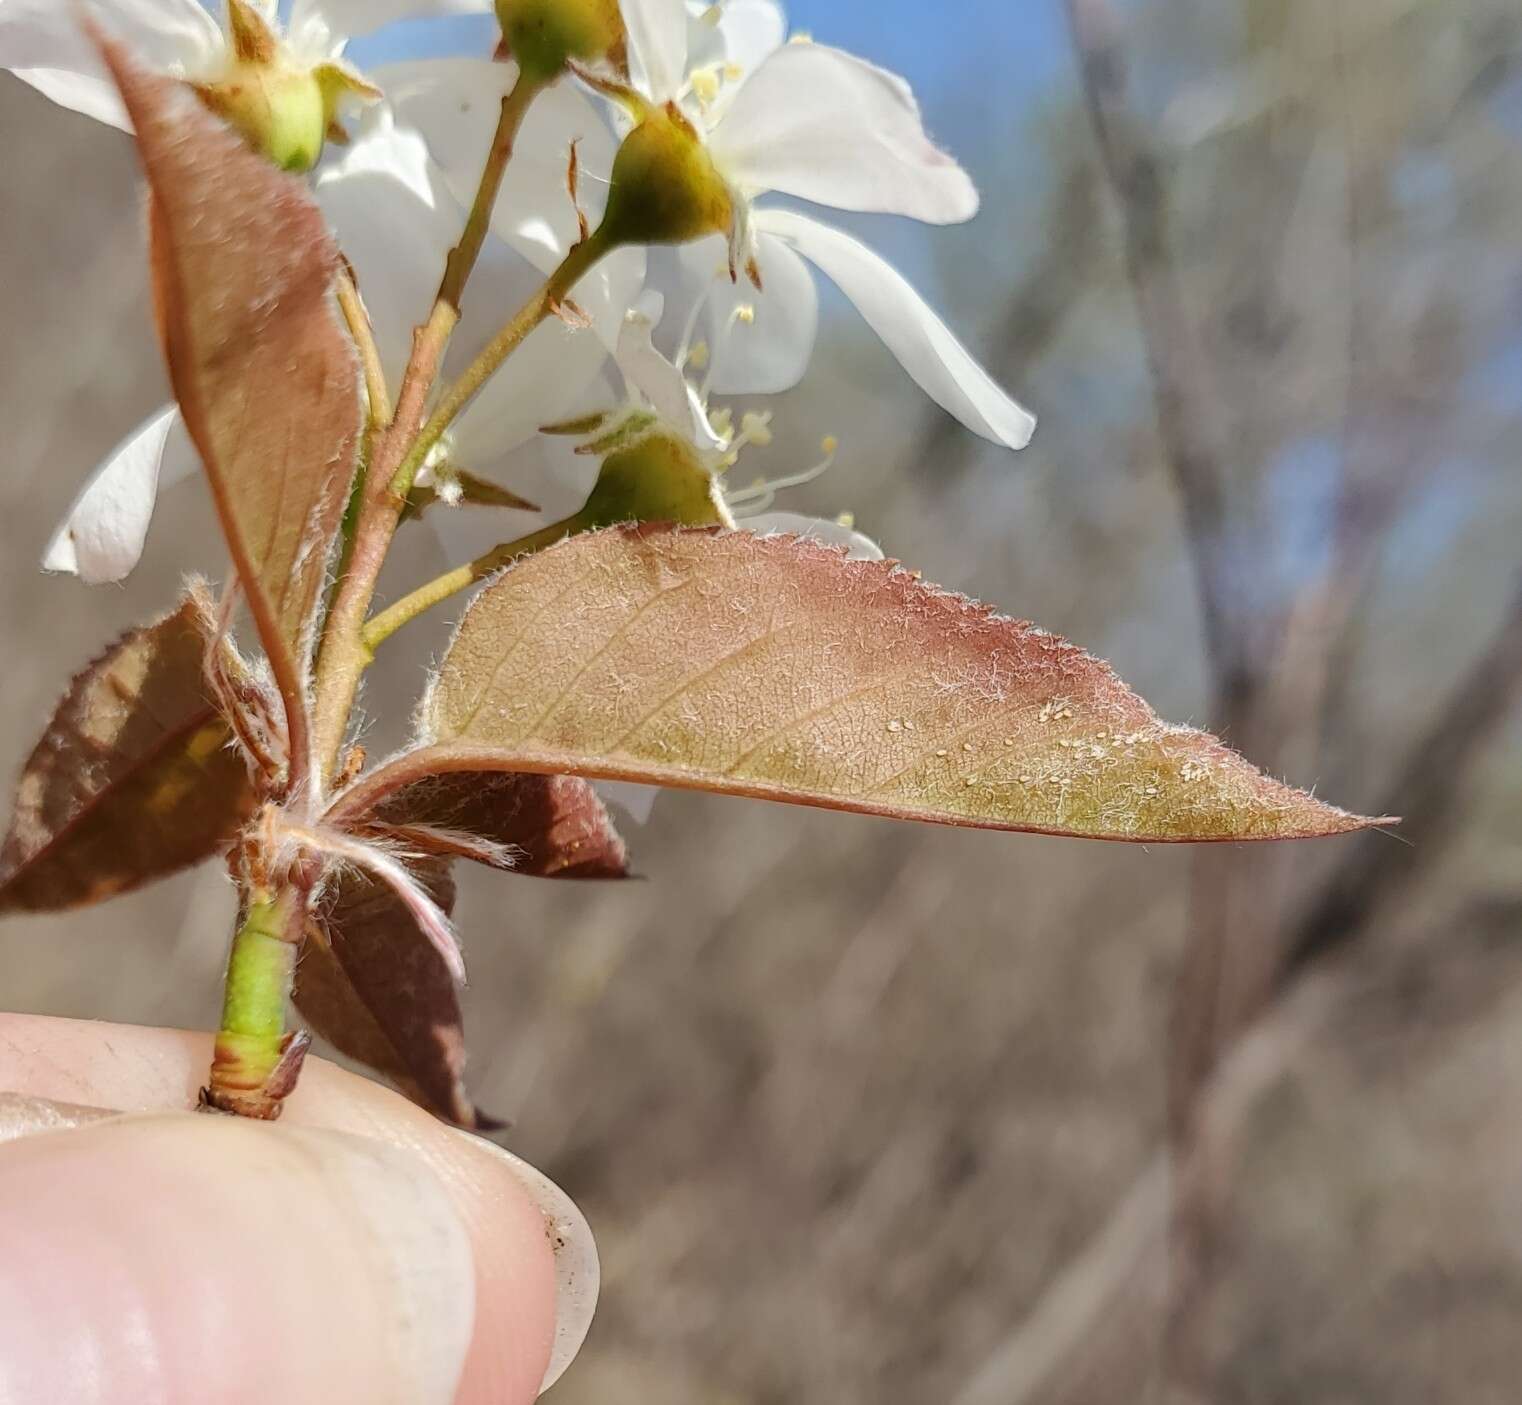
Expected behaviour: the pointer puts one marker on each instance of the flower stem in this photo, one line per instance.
(547, 300)
(377, 397)
(382, 626)
(252, 1044)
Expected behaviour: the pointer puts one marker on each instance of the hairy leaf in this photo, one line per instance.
(376, 989)
(267, 381)
(544, 826)
(775, 667)
(133, 779)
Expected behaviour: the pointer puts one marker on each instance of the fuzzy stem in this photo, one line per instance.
(343, 657)
(382, 626)
(378, 398)
(260, 972)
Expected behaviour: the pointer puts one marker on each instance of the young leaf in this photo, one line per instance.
(544, 826)
(376, 989)
(267, 382)
(133, 779)
(775, 667)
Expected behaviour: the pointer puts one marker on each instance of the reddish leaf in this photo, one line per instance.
(376, 989)
(266, 379)
(545, 826)
(133, 779)
(774, 667)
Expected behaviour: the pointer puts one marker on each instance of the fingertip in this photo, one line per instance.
(180, 1258)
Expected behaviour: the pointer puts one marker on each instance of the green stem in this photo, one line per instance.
(260, 973)
(382, 626)
(556, 290)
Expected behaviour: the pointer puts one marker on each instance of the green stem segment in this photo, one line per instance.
(260, 973)
(436, 591)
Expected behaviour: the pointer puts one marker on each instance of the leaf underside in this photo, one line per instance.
(133, 779)
(546, 826)
(376, 989)
(774, 667)
(268, 383)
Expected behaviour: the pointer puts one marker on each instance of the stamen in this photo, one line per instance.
(697, 358)
(763, 492)
(742, 312)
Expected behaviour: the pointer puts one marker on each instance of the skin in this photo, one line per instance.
(357, 1249)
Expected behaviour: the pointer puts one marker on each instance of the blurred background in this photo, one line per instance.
(862, 1113)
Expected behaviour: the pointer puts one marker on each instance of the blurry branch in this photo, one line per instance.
(1088, 1339)
(1430, 789)
(1180, 380)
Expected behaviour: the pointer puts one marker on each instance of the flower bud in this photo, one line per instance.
(279, 111)
(665, 188)
(284, 109)
(543, 36)
(659, 478)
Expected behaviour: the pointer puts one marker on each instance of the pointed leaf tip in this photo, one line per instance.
(774, 667)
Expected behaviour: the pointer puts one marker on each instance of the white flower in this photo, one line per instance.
(813, 122)
(42, 41)
(397, 221)
(659, 387)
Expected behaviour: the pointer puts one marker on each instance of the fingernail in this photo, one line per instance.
(422, 1250)
(577, 1273)
(23, 1116)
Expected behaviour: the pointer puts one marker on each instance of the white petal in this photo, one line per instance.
(637, 802)
(348, 18)
(96, 98)
(454, 104)
(924, 345)
(43, 42)
(769, 354)
(858, 547)
(661, 383)
(395, 222)
(657, 46)
(751, 30)
(826, 126)
(101, 538)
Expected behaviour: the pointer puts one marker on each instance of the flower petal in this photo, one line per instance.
(659, 381)
(751, 30)
(454, 104)
(770, 353)
(772, 524)
(43, 42)
(396, 223)
(826, 126)
(348, 18)
(923, 344)
(657, 46)
(101, 538)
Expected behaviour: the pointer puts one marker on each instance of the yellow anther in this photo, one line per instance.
(697, 358)
(705, 84)
(830, 444)
(755, 428)
(745, 313)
